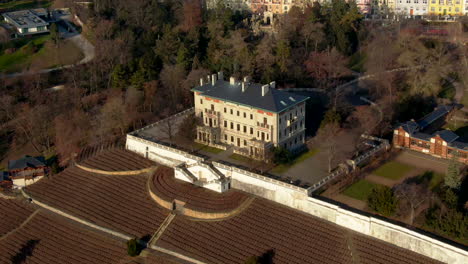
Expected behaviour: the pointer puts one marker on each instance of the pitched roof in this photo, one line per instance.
(459, 145)
(274, 100)
(434, 115)
(447, 135)
(26, 162)
(422, 136)
(411, 127)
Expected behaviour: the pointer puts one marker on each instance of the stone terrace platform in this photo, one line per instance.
(195, 201)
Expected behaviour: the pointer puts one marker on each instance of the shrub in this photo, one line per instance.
(382, 200)
(281, 155)
(451, 222)
(252, 260)
(453, 176)
(132, 248)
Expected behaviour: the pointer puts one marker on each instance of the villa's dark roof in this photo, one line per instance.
(434, 115)
(26, 162)
(273, 101)
(447, 135)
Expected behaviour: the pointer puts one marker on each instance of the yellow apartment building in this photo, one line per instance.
(446, 7)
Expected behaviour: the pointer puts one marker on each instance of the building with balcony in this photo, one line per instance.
(417, 136)
(446, 7)
(248, 116)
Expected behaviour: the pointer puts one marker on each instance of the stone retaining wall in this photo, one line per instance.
(299, 198)
(115, 173)
(198, 214)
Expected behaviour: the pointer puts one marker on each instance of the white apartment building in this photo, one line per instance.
(248, 116)
(412, 7)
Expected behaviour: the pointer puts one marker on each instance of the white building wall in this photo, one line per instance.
(159, 153)
(298, 198)
(414, 7)
(23, 182)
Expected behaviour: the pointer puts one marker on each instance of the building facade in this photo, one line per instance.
(465, 7)
(446, 7)
(442, 144)
(383, 7)
(27, 170)
(248, 116)
(28, 22)
(412, 7)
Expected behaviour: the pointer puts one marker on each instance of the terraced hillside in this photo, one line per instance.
(121, 203)
(13, 213)
(47, 239)
(168, 188)
(287, 235)
(117, 160)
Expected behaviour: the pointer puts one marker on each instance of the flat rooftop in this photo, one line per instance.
(26, 18)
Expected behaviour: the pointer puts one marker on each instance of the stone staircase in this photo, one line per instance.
(161, 229)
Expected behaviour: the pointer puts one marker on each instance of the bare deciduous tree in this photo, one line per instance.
(411, 195)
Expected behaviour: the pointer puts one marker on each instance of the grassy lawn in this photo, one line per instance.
(25, 4)
(51, 56)
(284, 167)
(360, 190)
(356, 62)
(23, 55)
(392, 170)
(433, 179)
(207, 148)
(240, 158)
(448, 90)
(40, 53)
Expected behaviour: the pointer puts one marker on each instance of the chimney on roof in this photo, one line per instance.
(232, 80)
(220, 76)
(202, 81)
(244, 86)
(213, 79)
(265, 89)
(273, 85)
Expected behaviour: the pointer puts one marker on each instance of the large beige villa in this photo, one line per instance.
(249, 116)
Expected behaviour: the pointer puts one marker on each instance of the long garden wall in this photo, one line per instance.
(299, 198)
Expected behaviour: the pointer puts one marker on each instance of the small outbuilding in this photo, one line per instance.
(27, 170)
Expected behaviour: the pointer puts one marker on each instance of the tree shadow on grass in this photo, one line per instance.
(25, 251)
